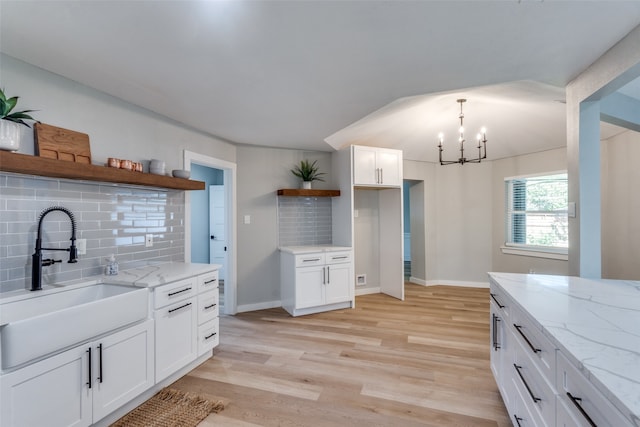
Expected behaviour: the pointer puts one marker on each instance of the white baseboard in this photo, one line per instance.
(367, 291)
(259, 306)
(417, 281)
(449, 283)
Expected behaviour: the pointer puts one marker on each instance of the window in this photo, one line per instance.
(536, 212)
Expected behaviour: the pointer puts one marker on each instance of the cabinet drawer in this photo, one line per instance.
(338, 257)
(208, 336)
(583, 400)
(309, 260)
(207, 306)
(176, 291)
(536, 391)
(208, 281)
(535, 344)
(497, 296)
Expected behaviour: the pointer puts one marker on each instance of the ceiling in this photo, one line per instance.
(318, 75)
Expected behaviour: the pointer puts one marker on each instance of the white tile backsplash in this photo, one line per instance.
(113, 219)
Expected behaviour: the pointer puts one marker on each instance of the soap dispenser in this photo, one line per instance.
(112, 266)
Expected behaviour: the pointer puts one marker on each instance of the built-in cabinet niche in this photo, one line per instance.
(370, 218)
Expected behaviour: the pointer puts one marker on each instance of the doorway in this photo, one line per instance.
(201, 243)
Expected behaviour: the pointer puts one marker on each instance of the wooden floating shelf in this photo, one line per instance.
(42, 166)
(299, 192)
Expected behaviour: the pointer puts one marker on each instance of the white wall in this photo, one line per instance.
(547, 161)
(115, 127)
(367, 236)
(621, 207)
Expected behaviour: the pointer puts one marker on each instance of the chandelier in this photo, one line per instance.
(481, 138)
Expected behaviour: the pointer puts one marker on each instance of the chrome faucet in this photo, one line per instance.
(38, 262)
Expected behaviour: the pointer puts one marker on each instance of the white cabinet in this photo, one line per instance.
(176, 315)
(82, 385)
(317, 281)
(377, 166)
(186, 315)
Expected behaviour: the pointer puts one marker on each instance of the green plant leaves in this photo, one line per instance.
(308, 171)
(6, 105)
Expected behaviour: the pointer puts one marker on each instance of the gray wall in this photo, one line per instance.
(621, 207)
(262, 171)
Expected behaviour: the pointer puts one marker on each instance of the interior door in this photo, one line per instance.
(218, 240)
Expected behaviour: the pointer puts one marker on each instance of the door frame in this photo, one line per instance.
(230, 180)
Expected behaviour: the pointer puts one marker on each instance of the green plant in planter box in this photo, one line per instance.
(7, 105)
(308, 171)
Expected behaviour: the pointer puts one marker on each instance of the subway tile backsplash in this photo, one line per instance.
(304, 221)
(114, 219)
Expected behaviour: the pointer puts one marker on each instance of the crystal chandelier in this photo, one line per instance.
(481, 138)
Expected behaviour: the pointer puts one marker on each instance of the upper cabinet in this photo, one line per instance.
(376, 167)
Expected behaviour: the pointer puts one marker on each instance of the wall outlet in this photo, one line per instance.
(148, 240)
(361, 279)
(81, 245)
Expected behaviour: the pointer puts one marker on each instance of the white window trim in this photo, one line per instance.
(561, 254)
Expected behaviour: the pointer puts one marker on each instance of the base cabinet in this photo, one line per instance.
(80, 386)
(314, 282)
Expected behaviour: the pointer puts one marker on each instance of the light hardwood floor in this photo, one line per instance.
(421, 362)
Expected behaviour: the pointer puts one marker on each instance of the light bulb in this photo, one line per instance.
(461, 129)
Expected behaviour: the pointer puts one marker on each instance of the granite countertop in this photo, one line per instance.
(596, 324)
(296, 250)
(152, 275)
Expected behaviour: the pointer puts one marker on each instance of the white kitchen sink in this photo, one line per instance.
(45, 323)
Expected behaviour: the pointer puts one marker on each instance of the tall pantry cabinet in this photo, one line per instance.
(369, 216)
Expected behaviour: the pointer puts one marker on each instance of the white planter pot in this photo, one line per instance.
(10, 133)
(306, 185)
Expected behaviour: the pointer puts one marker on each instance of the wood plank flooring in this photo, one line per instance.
(421, 362)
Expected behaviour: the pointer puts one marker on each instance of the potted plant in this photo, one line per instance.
(10, 122)
(308, 172)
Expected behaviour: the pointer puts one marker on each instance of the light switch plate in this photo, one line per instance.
(148, 240)
(247, 219)
(81, 245)
(572, 209)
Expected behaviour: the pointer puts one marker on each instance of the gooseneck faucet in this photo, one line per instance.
(38, 262)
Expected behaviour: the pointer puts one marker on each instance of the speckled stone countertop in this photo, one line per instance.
(595, 323)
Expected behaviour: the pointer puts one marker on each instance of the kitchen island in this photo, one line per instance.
(566, 350)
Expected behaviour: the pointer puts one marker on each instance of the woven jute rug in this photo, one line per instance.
(170, 408)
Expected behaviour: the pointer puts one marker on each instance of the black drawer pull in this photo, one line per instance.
(210, 281)
(207, 307)
(180, 308)
(496, 300)
(100, 362)
(535, 399)
(518, 419)
(210, 336)
(535, 350)
(496, 344)
(90, 363)
(576, 401)
(179, 292)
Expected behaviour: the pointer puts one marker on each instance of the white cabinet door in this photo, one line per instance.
(122, 368)
(364, 166)
(309, 286)
(53, 392)
(338, 286)
(389, 163)
(176, 341)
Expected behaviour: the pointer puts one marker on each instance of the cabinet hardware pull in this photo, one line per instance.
(207, 307)
(518, 328)
(179, 292)
(179, 308)
(381, 176)
(518, 419)
(496, 344)
(496, 300)
(209, 336)
(328, 275)
(209, 281)
(100, 363)
(339, 257)
(311, 259)
(324, 276)
(90, 363)
(576, 401)
(535, 399)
